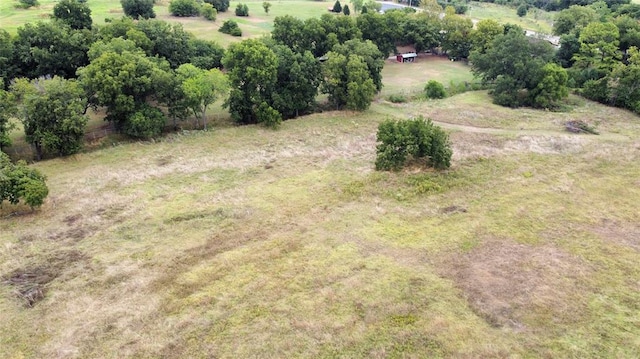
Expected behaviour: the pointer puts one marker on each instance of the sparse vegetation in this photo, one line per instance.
(244, 242)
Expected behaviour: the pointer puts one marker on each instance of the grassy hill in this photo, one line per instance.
(245, 242)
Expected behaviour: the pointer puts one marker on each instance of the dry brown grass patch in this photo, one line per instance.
(507, 283)
(29, 283)
(625, 234)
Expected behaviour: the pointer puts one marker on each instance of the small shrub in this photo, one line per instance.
(416, 139)
(397, 98)
(434, 89)
(219, 5)
(146, 123)
(337, 7)
(346, 11)
(230, 27)
(268, 116)
(209, 12)
(242, 10)
(522, 10)
(25, 4)
(184, 8)
(18, 181)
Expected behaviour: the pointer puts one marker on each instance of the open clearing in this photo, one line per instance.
(246, 242)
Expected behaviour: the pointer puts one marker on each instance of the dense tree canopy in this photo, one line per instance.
(252, 69)
(73, 13)
(50, 48)
(516, 64)
(137, 9)
(123, 82)
(52, 114)
(7, 110)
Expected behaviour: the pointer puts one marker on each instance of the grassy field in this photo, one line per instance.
(535, 20)
(243, 242)
(256, 25)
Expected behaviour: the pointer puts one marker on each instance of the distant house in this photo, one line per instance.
(407, 57)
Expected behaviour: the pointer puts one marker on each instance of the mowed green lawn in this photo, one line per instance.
(535, 20)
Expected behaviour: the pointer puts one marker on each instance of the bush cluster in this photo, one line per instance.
(209, 12)
(242, 10)
(417, 139)
(230, 27)
(184, 8)
(434, 89)
(17, 181)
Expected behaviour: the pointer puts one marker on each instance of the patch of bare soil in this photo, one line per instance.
(506, 282)
(30, 282)
(623, 234)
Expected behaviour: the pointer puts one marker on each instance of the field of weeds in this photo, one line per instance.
(248, 242)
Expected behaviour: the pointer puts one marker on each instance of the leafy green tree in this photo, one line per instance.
(7, 68)
(209, 12)
(574, 18)
(52, 114)
(170, 42)
(137, 9)
(266, 6)
(201, 89)
(345, 10)
(337, 7)
(334, 70)
(205, 54)
(122, 82)
(49, 49)
(18, 181)
(360, 87)
(599, 44)
(514, 63)
(289, 31)
(184, 8)
(456, 35)
(629, 30)
(369, 52)
(374, 27)
(220, 5)
(434, 89)
(551, 88)
(421, 30)
(569, 46)
(73, 13)
(7, 111)
(357, 5)
(373, 6)
(252, 69)
(169, 93)
(347, 81)
(299, 76)
(624, 83)
(485, 32)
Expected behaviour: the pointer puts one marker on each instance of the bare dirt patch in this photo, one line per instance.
(505, 282)
(30, 282)
(623, 234)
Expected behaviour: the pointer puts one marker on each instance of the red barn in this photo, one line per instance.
(407, 57)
